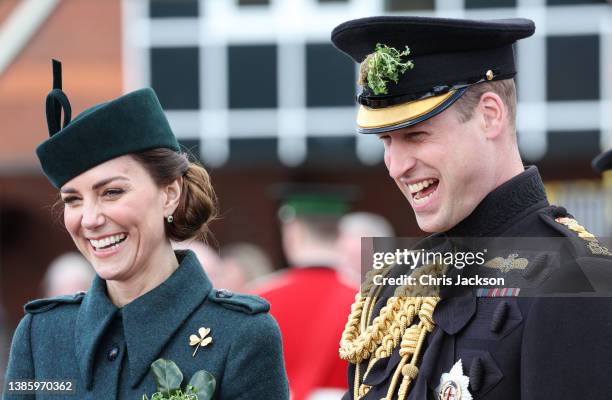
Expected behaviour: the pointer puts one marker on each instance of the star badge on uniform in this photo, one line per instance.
(454, 385)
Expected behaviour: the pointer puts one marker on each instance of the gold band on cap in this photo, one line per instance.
(388, 116)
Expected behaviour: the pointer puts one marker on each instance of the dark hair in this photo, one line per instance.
(505, 89)
(198, 203)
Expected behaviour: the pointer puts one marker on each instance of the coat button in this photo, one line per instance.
(113, 352)
(224, 294)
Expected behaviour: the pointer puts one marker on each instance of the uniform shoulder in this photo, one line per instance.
(42, 305)
(584, 243)
(550, 215)
(245, 303)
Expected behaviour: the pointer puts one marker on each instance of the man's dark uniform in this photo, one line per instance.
(553, 341)
(517, 347)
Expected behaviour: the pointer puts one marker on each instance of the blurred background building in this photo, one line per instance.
(256, 91)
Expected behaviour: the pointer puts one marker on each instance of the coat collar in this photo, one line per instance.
(94, 316)
(519, 196)
(161, 310)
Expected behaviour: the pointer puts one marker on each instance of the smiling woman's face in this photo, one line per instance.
(115, 214)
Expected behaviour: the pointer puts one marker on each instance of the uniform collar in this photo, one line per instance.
(161, 311)
(512, 200)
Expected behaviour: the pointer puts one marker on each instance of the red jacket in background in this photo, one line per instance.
(311, 306)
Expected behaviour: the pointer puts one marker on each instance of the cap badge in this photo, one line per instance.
(384, 65)
(200, 341)
(489, 75)
(454, 385)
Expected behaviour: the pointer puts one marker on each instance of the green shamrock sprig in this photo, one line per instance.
(384, 65)
(169, 379)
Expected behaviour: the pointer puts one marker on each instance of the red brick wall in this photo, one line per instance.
(86, 37)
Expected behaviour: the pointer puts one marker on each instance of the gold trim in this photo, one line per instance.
(381, 117)
(592, 243)
(395, 326)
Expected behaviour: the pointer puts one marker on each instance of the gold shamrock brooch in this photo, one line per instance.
(200, 341)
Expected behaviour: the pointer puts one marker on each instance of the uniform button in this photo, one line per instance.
(224, 294)
(113, 352)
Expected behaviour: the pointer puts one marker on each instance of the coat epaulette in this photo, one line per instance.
(584, 243)
(42, 305)
(245, 303)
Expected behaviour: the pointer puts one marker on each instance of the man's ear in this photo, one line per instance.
(494, 114)
(172, 196)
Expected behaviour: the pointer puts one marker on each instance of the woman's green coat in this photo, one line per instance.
(107, 352)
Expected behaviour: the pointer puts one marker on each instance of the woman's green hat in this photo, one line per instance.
(129, 124)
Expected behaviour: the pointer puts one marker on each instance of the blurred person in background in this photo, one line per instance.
(69, 273)
(309, 297)
(603, 162)
(352, 228)
(208, 258)
(222, 274)
(243, 264)
(128, 190)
